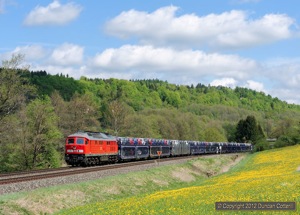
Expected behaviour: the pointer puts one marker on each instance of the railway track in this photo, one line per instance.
(38, 171)
(67, 171)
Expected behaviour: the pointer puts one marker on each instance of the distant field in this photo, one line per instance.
(267, 176)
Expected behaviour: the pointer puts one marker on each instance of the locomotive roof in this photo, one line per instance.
(93, 135)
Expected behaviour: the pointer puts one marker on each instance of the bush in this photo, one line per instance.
(285, 140)
(261, 145)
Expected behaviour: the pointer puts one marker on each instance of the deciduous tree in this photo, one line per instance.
(83, 113)
(13, 88)
(116, 113)
(37, 136)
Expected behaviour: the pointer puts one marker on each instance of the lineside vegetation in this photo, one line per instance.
(268, 176)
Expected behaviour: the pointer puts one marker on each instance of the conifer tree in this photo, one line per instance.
(249, 130)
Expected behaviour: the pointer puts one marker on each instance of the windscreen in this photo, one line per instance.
(71, 141)
(80, 141)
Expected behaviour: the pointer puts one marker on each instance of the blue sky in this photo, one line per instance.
(246, 43)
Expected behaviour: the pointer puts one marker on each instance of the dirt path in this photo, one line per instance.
(236, 160)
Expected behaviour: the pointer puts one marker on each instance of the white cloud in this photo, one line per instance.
(226, 82)
(53, 14)
(254, 85)
(285, 77)
(233, 29)
(67, 54)
(289, 95)
(167, 63)
(31, 52)
(284, 71)
(72, 71)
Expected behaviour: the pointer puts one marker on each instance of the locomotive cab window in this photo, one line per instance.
(80, 141)
(71, 141)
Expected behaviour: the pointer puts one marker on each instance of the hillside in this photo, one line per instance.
(139, 108)
(141, 94)
(201, 112)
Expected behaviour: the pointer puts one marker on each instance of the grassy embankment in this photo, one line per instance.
(267, 176)
(53, 199)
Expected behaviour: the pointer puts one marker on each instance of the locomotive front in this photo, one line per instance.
(75, 149)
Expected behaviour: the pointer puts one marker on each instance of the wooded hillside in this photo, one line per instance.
(38, 111)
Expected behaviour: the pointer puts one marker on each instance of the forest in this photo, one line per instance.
(38, 111)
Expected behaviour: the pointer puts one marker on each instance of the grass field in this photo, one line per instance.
(268, 176)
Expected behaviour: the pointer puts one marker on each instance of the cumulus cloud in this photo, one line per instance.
(66, 59)
(72, 71)
(67, 54)
(172, 63)
(289, 95)
(285, 77)
(233, 29)
(31, 52)
(284, 71)
(226, 82)
(254, 85)
(53, 14)
(175, 66)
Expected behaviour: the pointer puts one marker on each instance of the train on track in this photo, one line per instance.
(86, 148)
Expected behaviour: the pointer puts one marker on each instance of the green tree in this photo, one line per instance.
(116, 113)
(83, 113)
(137, 125)
(249, 130)
(38, 136)
(290, 135)
(240, 133)
(212, 134)
(62, 111)
(14, 92)
(9, 144)
(13, 87)
(230, 130)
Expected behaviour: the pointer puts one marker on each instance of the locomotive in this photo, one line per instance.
(86, 148)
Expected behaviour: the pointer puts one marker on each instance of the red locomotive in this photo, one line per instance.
(90, 148)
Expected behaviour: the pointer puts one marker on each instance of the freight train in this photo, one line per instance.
(86, 148)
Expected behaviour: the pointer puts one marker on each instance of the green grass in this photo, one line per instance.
(269, 176)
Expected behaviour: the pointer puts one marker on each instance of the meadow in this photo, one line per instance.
(267, 176)
(161, 177)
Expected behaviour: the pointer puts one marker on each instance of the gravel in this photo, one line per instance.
(31, 185)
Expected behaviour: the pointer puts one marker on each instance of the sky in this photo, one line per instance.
(245, 43)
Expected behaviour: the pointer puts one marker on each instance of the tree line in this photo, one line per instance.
(38, 111)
